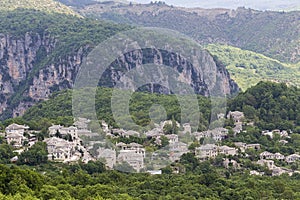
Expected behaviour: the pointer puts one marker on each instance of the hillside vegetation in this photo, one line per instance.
(48, 6)
(93, 182)
(273, 34)
(59, 109)
(270, 105)
(248, 68)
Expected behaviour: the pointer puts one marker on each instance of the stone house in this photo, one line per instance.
(59, 149)
(292, 158)
(54, 129)
(82, 123)
(279, 156)
(243, 146)
(226, 150)
(187, 128)
(16, 128)
(16, 139)
(266, 155)
(206, 151)
(217, 134)
(72, 130)
(109, 155)
(133, 147)
(136, 161)
(237, 116)
(177, 149)
(267, 163)
(130, 133)
(212, 150)
(253, 146)
(270, 156)
(172, 138)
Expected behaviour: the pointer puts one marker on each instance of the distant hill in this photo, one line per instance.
(247, 68)
(273, 34)
(233, 4)
(48, 6)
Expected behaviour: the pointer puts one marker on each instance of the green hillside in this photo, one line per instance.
(274, 34)
(58, 109)
(270, 105)
(248, 68)
(48, 6)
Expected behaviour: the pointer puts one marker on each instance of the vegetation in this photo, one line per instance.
(270, 105)
(201, 181)
(273, 34)
(58, 109)
(248, 68)
(48, 6)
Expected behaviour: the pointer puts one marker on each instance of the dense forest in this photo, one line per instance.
(92, 181)
(270, 105)
(58, 109)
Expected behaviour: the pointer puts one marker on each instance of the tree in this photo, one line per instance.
(164, 141)
(171, 128)
(36, 155)
(6, 153)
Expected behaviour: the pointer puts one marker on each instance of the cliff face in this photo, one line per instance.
(23, 73)
(17, 59)
(208, 78)
(27, 78)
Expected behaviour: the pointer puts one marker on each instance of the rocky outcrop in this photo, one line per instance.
(28, 76)
(207, 78)
(18, 55)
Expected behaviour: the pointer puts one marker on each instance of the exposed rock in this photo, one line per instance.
(23, 73)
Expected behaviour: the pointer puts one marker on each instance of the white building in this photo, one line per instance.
(15, 134)
(212, 150)
(270, 156)
(292, 158)
(59, 149)
(109, 155)
(172, 138)
(134, 159)
(226, 150)
(267, 163)
(15, 139)
(207, 151)
(64, 131)
(237, 116)
(82, 123)
(16, 128)
(217, 134)
(133, 154)
(177, 149)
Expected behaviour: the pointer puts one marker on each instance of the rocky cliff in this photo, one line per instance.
(28, 75)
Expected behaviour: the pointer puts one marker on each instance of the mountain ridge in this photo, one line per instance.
(48, 6)
(274, 34)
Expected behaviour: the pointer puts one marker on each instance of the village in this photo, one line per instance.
(75, 143)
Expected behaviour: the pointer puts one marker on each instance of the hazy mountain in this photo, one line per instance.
(233, 4)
